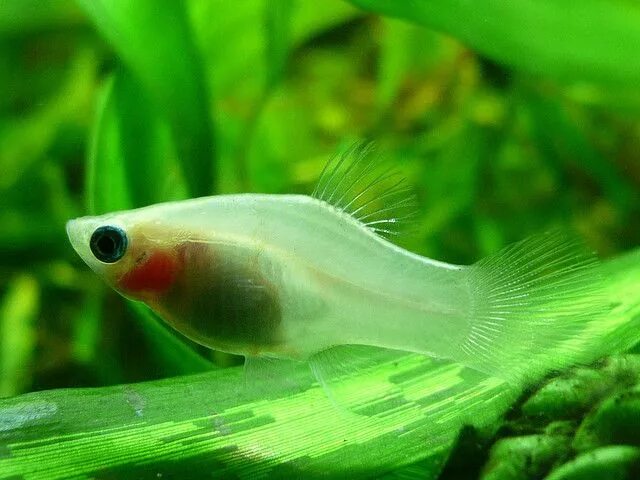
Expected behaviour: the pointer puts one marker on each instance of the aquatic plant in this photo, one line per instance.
(528, 123)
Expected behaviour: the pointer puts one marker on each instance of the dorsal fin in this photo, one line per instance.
(358, 182)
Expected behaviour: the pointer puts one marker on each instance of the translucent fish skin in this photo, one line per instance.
(286, 276)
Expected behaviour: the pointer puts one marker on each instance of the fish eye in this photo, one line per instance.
(108, 243)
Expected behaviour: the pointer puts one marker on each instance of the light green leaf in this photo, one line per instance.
(561, 137)
(594, 40)
(210, 423)
(18, 312)
(215, 423)
(405, 50)
(86, 327)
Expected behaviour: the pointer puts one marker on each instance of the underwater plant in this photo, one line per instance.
(509, 119)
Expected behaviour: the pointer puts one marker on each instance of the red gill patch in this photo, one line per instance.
(154, 274)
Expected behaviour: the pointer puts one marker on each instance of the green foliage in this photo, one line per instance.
(133, 144)
(576, 40)
(524, 118)
(163, 56)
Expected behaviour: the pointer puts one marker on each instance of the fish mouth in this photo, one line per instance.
(79, 231)
(71, 227)
(74, 233)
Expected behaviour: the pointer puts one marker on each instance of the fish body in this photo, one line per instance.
(293, 276)
(280, 276)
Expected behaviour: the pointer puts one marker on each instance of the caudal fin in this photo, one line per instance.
(530, 302)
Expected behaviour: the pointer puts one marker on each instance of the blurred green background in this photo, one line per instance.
(508, 120)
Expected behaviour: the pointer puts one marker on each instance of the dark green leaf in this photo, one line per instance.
(154, 40)
(278, 20)
(106, 185)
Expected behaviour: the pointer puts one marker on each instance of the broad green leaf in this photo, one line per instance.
(593, 40)
(86, 327)
(154, 40)
(209, 424)
(216, 424)
(277, 19)
(234, 38)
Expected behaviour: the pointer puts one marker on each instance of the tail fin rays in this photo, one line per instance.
(528, 302)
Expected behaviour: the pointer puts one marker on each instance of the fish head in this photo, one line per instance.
(211, 289)
(139, 261)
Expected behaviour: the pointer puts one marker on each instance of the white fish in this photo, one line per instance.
(307, 278)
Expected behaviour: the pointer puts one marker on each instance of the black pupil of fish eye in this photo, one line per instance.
(108, 244)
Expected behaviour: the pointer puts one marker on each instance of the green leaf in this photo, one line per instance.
(86, 331)
(18, 312)
(594, 40)
(106, 187)
(19, 17)
(210, 423)
(132, 161)
(154, 40)
(216, 422)
(278, 17)
(27, 138)
(243, 60)
(562, 138)
(405, 50)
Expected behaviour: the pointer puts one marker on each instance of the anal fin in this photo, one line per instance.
(273, 376)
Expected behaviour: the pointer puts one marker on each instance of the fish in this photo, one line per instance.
(317, 278)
